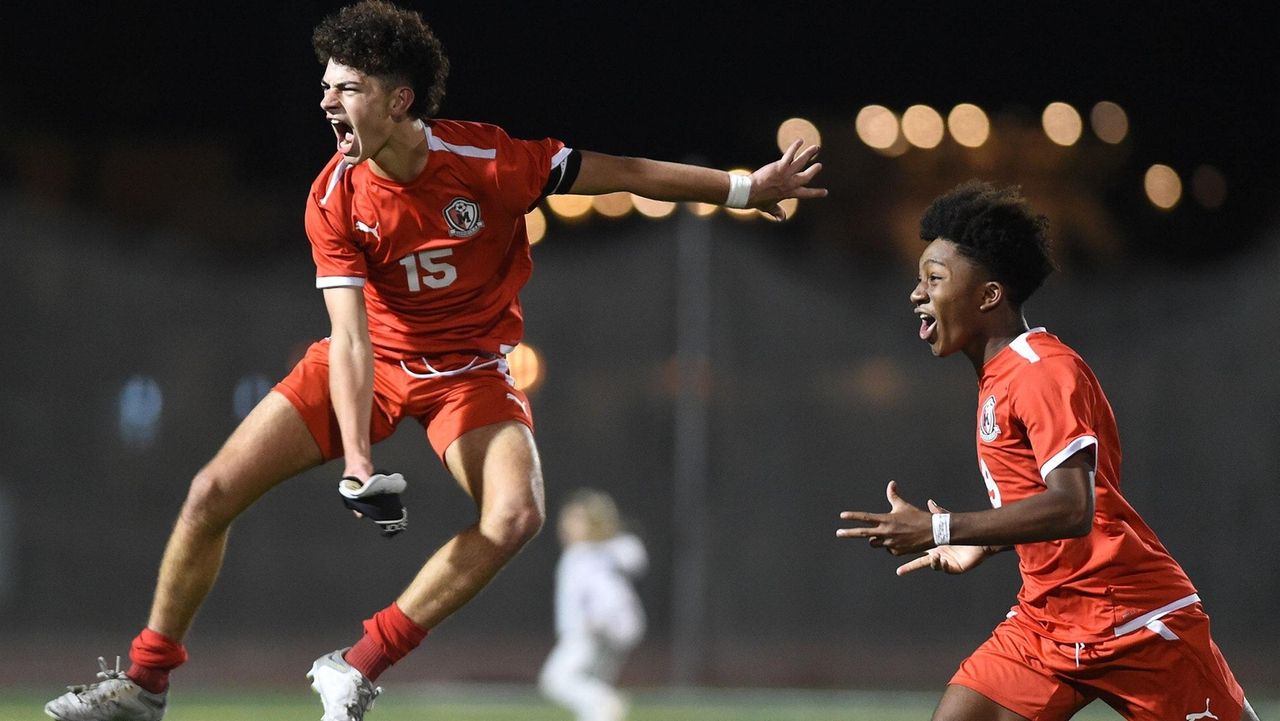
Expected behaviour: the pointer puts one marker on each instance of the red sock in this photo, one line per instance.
(388, 637)
(154, 656)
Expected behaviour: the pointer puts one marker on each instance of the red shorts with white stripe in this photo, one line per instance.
(448, 394)
(1167, 669)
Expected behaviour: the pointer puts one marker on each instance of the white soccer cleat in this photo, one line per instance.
(115, 698)
(344, 691)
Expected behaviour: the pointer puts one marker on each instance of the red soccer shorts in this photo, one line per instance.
(1171, 669)
(447, 405)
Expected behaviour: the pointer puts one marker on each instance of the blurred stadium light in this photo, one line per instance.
(1163, 186)
(1062, 123)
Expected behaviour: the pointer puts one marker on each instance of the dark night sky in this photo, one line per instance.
(661, 79)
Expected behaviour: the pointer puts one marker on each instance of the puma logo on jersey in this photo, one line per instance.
(362, 226)
(463, 217)
(1207, 713)
(987, 427)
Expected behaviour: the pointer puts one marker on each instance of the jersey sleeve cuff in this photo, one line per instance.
(1077, 445)
(339, 281)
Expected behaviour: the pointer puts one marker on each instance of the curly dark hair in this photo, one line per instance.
(996, 228)
(386, 41)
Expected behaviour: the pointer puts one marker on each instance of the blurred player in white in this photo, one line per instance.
(599, 618)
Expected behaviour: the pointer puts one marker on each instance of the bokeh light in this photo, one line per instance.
(801, 128)
(650, 208)
(702, 210)
(141, 404)
(877, 126)
(535, 223)
(1209, 187)
(922, 126)
(569, 207)
(1062, 123)
(969, 125)
(528, 369)
(1109, 121)
(612, 205)
(1163, 186)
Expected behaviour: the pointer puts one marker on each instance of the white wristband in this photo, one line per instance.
(739, 191)
(941, 529)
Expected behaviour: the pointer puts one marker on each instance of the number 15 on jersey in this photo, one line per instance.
(422, 268)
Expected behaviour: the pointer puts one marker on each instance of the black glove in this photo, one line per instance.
(378, 499)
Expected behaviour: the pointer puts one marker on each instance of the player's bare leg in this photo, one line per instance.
(961, 703)
(271, 445)
(498, 465)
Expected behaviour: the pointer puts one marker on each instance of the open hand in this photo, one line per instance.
(787, 177)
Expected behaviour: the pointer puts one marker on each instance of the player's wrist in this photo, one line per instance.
(941, 529)
(739, 191)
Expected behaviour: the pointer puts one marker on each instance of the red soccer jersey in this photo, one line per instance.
(1038, 403)
(441, 258)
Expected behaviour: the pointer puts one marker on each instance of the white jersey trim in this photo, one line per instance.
(333, 180)
(560, 156)
(1023, 348)
(1152, 619)
(1078, 444)
(469, 151)
(339, 281)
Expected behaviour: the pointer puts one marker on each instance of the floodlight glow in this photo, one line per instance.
(569, 207)
(612, 205)
(1163, 186)
(922, 126)
(527, 367)
(1062, 123)
(1109, 121)
(801, 128)
(650, 208)
(877, 126)
(969, 125)
(535, 224)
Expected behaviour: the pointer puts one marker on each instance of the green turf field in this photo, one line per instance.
(518, 703)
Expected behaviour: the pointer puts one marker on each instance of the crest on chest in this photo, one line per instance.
(462, 215)
(988, 430)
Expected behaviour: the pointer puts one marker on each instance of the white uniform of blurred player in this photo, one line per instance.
(599, 619)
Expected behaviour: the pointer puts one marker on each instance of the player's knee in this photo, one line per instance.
(513, 524)
(209, 506)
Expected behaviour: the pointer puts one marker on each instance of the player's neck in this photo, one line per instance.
(404, 156)
(995, 340)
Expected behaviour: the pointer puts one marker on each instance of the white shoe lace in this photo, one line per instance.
(106, 674)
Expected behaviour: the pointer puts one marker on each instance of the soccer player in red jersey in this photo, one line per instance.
(418, 234)
(1104, 610)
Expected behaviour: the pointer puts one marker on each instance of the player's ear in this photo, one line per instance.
(401, 100)
(993, 294)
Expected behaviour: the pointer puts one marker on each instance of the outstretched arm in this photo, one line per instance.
(787, 177)
(351, 376)
(1063, 510)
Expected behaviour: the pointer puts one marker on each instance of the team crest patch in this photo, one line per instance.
(463, 217)
(987, 427)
